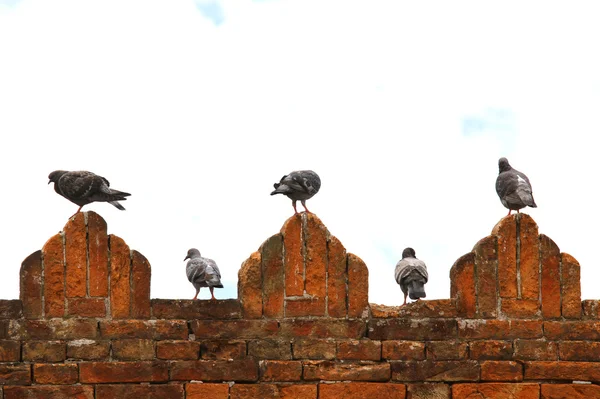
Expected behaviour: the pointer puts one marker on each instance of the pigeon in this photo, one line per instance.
(298, 185)
(513, 187)
(411, 274)
(82, 187)
(202, 272)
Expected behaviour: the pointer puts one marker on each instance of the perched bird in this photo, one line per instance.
(299, 185)
(513, 187)
(81, 188)
(202, 272)
(411, 274)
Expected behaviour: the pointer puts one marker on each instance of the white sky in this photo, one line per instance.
(197, 108)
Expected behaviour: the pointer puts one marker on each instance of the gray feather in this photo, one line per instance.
(411, 274)
(513, 187)
(202, 272)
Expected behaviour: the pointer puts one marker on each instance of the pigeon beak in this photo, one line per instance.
(186, 258)
(49, 181)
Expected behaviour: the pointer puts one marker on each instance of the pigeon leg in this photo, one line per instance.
(212, 294)
(78, 210)
(509, 211)
(294, 205)
(405, 295)
(304, 205)
(197, 292)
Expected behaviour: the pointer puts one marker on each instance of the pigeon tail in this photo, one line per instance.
(117, 205)
(416, 289)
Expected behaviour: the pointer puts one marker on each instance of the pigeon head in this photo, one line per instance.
(503, 165)
(192, 253)
(54, 176)
(408, 253)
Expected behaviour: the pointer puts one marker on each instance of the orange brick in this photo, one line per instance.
(250, 286)
(44, 351)
(86, 349)
(315, 234)
(183, 350)
(529, 258)
(570, 391)
(570, 371)
(496, 391)
(526, 349)
(107, 372)
(55, 374)
(15, 374)
(358, 287)
(204, 391)
(140, 286)
(491, 350)
(314, 349)
(336, 278)
(403, 350)
(244, 370)
(506, 231)
(10, 351)
(54, 277)
(294, 256)
(447, 350)
(272, 275)
(550, 259)
(357, 390)
(280, 370)
(462, 285)
(133, 349)
(304, 306)
(364, 349)
(521, 308)
(120, 268)
(86, 307)
(49, 392)
(486, 265)
(501, 371)
(335, 371)
(222, 350)
(136, 391)
(76, 256)
(571, 287)
(97, 255)
(31, 285)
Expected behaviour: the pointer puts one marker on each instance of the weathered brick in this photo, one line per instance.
(86, 307)
(204, 391)
(55, 374)
(447, 350)
(52, 329)
(571, 330)
(526, 349)
(428, 391)
(140, 286)
(529, 258)
(232, 329)
(491, 350)
(462, 285)
(590, 309)
(133, 349)
(337, 301)
(496, 391)
(578, 350)
(250, 286)
(520, 308)
(50, 392)
(403, 350)
(486, 265)
(499, 329)
(492, 370)
(54, 277)
(436, 308)
(280, 370)
(86, 349)
(314, 349)
(570, 391)
(15, 374)
(358, 287)
(304, 306)
(120, 271)
(270, 349)
(178, 350)
(44, 351)
(31, 285)
(550, 260)
(336, 371)
(293, 257)
(253, 391)
(97, 255)
(567, 371)
(506, 232)
(410, 329)
(187, 309)
(358, 390)
(570, 287)
(215, 370)
(222, 350)
(315, 235)
(107, 372)
(76, 256)
(136, 391)
(10, 351)
(149, 329)
(322, 328)
(428, 370)
(363, 349)
(11, 309)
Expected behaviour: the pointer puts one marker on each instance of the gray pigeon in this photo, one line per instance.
(81, 188)
(411, 274)
(299, 185)
(202, 272)
(513, 187)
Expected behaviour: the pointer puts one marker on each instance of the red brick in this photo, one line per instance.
(232, 329)
(178, 350)
(491, 350)
(357, 390)
(55, 374)
(486, 265)
(314, 349)
(270, 349)
(86, 349)
(149, 329)
(335, 371)
(86, 307)
(135, 391)
(293, 257)
(535, 350)
(215, 370)
(428, 391)
(120, 270)
(53, 329)
(436, 308)
(54, 277)
(254, 391)
(322, 328)
(529, 258)
(76, 256)
(336, 278)
(569, 371)
(304, 391)
(520, 308)
(462, 285)
(447, 350)
(222, 350)
(315, 235)
(499, 329)
(140, 286)
(15, 374)
(446, 371)
(304, 306)
(205, 391)
(106, 372)
(550, 259)
(506, 231)
(49, 392)
(409, 329)
(403, 350)
(579, 350)
(496, 391)
(280, 370)
(11, 309)
(570, 391)
(571, 330)
(364, 349)
(133, 349)
(501, 371)
(358, 287)
(10, 351)
(590, 309)
(97, 255)
(571, 287)
(187, 309)
(250, 286)
(31, 285)
(44, 351)
(272, 269)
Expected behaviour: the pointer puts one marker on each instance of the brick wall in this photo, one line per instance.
(85, 327)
